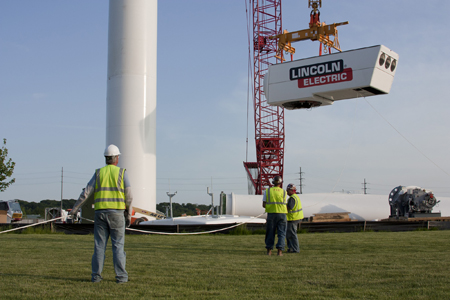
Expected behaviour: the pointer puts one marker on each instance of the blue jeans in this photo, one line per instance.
(109, 222)
(291, 236)
(275, 223)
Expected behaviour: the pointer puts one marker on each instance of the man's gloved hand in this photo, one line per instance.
(127, 218)
(74, 215)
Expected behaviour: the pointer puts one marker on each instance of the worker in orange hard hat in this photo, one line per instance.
(294, 217)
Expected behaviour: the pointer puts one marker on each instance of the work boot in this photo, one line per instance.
(269, 252)
(280, 253)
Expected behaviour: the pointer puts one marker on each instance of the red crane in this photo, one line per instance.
(269, 44)
(269, 120)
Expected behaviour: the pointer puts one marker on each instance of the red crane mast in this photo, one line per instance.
(269, 120)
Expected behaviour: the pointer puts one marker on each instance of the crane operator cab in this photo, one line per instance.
(321, 80)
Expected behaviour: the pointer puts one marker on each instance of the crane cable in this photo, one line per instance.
(142, 231)
(429, 159)
(351, 139)
(249, 75)
(192, 233)
(22, 227)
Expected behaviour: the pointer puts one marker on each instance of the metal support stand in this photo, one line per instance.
(212, 202)
(170, 197)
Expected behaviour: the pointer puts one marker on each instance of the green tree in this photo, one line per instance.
(179, 209)
(38, 208)
(6, 168)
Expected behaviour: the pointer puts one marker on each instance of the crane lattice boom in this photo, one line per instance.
(269, 120)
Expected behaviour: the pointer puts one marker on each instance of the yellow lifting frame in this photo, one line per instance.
(319, 33)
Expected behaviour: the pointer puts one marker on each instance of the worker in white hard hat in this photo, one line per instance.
(112, 194)
(294, 217)
(274, 202)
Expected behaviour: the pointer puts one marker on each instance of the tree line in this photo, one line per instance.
(179, 210)
(38, 208)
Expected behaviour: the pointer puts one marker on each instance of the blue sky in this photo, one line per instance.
(53, 67)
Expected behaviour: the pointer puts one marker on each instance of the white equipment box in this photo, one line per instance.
(321, 80)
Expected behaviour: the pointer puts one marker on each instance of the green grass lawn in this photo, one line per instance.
(363, 265)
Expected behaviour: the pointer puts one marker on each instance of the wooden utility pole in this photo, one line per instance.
(62, 187)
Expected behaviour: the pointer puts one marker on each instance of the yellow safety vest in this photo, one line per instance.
(276, 200)
(109, 192)
(297, 212)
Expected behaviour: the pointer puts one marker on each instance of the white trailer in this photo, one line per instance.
(10, 211)
(321, 80)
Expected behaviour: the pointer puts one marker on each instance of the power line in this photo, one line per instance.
(414, 146)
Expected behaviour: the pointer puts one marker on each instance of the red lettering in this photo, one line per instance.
(346, 75)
